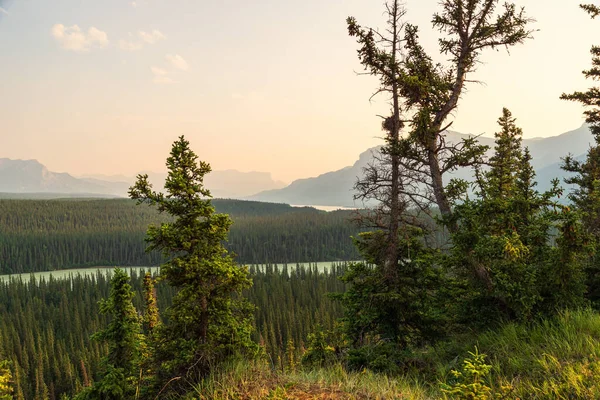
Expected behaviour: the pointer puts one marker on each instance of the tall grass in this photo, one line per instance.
(555, 359)
(256, 380)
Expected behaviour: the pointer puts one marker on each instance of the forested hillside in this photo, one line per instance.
(47, 325)
(480, 289)
(41, 235)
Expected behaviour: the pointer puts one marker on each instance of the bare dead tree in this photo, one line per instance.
(382, 55)
(409, 172)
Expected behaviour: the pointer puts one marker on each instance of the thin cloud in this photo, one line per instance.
(74, 39)
(163, 80)
(133, 4)
(3, 11)
(161, 76)
(177, 61)
(158, 71)
(133, 44)
(129, 45)
(151, 37)
(97, 36)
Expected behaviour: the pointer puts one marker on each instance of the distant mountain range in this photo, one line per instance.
(30, 176)
(335, 188)
(330, 189)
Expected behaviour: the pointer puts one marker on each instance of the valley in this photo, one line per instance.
(271, 200)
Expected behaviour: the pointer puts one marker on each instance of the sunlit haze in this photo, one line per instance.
(104, 87)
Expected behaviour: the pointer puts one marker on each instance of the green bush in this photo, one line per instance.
(319, 353)
(470, 382)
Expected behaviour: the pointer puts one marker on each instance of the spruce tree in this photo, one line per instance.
(151, 316)
(123, 336)
(393, 300)
(586, 179)
(6, 389)
(150, 323)
(502, 248)
(208, 321)
(383, 321)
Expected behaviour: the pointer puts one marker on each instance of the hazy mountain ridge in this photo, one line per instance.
(32, 177)
(335, 188)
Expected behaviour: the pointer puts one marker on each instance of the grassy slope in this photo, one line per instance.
(253, 381)
(557, 359)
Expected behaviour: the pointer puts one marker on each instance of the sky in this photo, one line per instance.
(105, 87)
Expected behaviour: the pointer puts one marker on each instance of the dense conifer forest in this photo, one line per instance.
(43, 235)
(484, 289)
(47, 325)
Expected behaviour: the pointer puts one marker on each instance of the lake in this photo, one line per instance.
(325, 208)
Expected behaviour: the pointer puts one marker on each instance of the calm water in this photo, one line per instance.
(66, 273)
(325, 208)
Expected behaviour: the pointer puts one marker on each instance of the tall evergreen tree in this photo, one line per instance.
(384, 320)
(586, 179)
(6, 390)
(150, 323)
(123, 336)
(502, 246)
(469, 27)
(208, 321)
(151, 316)
(392, 301)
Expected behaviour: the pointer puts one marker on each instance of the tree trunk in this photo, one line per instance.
(434, 165)
(392, 254)
(203, 319)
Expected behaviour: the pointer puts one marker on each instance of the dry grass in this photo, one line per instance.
(555, 359)
(254, 381)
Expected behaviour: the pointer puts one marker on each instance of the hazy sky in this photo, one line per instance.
(90, 86)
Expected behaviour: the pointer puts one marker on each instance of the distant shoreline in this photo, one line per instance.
(325, 208)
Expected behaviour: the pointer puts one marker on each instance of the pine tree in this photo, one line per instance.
(123, 336)
(208, 321)
(383, 321)
(586, 195)
(151, 316)
(6, 389)
(151, 321)
(507, 158)
(502, 247)
(586, 180)
(384, 301)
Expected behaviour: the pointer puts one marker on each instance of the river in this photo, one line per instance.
(66, 273)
